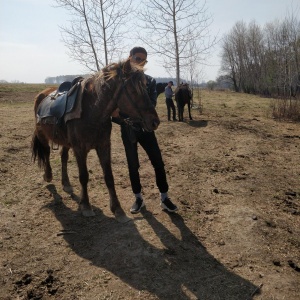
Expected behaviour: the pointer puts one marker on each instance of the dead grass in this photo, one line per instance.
(234, 173)
(24, 88)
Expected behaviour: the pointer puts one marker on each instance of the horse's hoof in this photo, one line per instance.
(47, 178)
(88, 213)
(86, 210)
(120, 216)
(68, 189)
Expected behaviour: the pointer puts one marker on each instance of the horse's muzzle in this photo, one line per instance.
(155, 124)
(151, 125)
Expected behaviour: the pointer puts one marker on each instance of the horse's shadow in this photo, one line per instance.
(197, 123)
(182, 269)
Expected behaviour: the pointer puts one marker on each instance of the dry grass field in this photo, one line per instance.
(234, 173)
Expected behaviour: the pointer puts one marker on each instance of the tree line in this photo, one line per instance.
(254, 59)
(177, 31)
(61, 78)
(263, 61)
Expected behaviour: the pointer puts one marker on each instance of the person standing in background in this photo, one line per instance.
(169, 101)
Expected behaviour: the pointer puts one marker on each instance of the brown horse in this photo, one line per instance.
(183, 96)
(120, 85)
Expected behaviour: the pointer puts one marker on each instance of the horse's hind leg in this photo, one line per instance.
(84, 204)
(64, 171)
(47, 166)
(189, 108)
(41, 151)
(180, 113)
(103, 152)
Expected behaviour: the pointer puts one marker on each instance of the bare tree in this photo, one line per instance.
(233, 54)
(169, 27)
(95, 33)
(264, 61)
(281, 57)
(192, 68)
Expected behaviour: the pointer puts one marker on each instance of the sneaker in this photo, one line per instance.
(137, 205)
(168, 205)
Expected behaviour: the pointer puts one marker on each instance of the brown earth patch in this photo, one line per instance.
(234, 173)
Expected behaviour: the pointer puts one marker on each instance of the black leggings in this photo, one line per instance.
(149, 143)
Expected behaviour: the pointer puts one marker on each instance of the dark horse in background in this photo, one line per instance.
(160, 87)
(120, 85)
(183, 96)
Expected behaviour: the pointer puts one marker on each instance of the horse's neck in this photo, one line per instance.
(105, 101)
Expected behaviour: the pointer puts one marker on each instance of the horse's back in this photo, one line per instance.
(45, 92)
(42, 95)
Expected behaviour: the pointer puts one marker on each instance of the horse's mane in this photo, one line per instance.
(113, 73)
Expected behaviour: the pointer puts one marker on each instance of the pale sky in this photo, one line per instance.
(31, 47)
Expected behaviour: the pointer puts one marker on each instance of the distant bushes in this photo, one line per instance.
(286, 109)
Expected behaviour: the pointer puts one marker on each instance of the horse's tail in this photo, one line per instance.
(38, 150)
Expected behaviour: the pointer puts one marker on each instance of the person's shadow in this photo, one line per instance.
(182, 269)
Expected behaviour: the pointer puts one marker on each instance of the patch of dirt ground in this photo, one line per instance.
(234, 173)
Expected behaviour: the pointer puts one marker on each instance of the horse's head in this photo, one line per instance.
(131, 95)
(160, 87)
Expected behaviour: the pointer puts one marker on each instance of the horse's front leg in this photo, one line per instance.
(64, 170)
(84, 205)
(104, 154)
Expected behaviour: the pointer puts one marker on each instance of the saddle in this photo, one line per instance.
(62, 101)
